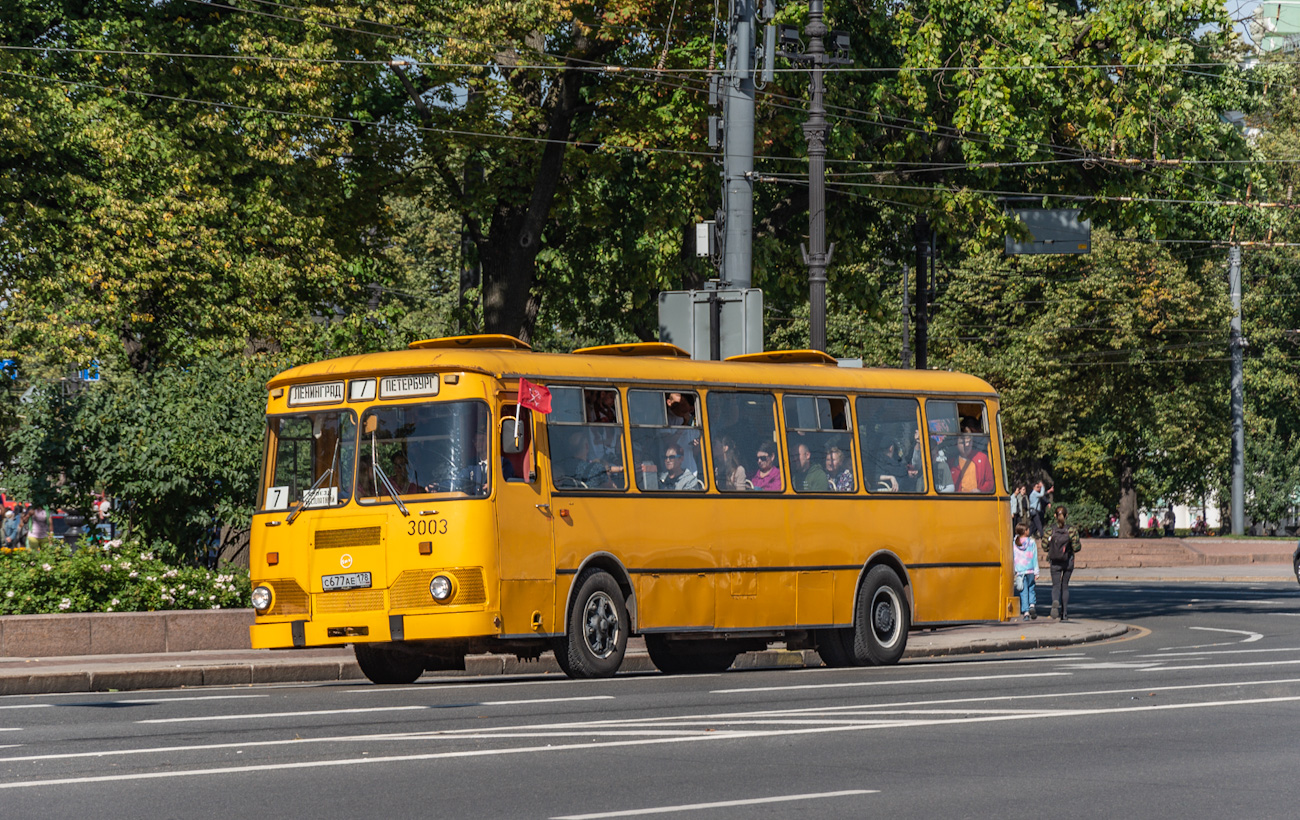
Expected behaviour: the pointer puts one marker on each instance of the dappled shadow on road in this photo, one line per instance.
(1117, 601)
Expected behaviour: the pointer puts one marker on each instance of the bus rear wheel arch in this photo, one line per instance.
(597, 627)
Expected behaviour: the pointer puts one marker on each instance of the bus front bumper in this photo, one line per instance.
(337, 630)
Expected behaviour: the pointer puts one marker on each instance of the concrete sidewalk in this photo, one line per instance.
(108, 673)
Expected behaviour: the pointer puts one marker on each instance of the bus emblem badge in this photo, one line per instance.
(345, 561)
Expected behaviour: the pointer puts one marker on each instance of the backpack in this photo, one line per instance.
(1059, 546)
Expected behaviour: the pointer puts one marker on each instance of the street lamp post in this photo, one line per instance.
(817, 256)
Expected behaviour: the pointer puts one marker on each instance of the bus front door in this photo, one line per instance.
(524, 522)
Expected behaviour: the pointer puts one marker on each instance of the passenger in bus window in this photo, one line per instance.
(574, 469)
(767, 477)
(729, 471)
(681, 409)
(805, 473)
(916, 465)
(972, 472)
(943, 472)
(674, 476)
(839, 472)
(399, 473)
(602, 406)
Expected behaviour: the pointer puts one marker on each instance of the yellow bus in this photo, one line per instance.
(410, 507)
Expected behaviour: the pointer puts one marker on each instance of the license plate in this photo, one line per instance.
(348, 580)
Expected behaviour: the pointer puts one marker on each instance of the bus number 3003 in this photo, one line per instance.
(433, 526)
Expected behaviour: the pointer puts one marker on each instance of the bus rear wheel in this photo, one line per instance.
(381, 664)
(596, 638)
(689, 657)
(882, 619)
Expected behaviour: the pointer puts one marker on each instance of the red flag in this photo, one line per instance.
(534, 396)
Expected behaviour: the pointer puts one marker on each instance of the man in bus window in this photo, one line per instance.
(674, 475)
(574, 469)
(807, 476)
(681, 409)
(767, 476)
(972, 472)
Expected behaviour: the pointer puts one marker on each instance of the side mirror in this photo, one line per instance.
(509, 445)
(371, 425)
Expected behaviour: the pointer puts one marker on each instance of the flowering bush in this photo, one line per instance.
(112, 577)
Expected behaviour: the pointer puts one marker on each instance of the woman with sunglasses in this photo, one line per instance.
(767, 477)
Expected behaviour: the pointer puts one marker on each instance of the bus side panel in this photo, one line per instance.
(751, 539)
(680, 599)
(957, 532)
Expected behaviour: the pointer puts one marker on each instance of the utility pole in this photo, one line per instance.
(1236, 345)
(738, 156)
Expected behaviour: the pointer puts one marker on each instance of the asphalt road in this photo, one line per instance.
(1193, 718)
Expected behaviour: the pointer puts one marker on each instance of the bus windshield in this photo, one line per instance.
(309, 460)
(424, 449)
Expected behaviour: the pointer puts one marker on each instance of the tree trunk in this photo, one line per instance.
(1129, 527)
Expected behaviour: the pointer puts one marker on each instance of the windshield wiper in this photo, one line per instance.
(315, 486)
(392, 491)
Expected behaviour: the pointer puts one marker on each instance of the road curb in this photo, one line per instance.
(121, 677)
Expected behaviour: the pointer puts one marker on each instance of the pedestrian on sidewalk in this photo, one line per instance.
(13, 529)
(1062, 543)
(1025, 553)
(37, 523)
(1037, 507)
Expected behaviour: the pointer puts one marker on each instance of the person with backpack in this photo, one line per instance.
(1062, 543)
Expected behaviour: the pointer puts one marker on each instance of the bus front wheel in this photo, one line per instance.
(383, 665)
(596, 638)
(882, 619)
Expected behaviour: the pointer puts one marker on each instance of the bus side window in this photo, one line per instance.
(889, 432)
(666, 441)
(585, 454)
(959, 444)
(820, 455)
(739, 424)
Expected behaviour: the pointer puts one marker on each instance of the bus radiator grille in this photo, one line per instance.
(357, 600)
(351, 537)
(290, 599)
(412, 588)
(469, 585)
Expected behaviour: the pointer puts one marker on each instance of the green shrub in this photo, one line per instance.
(112, 577)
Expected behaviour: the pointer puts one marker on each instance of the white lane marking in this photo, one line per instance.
(9, 729)
(721, 804)
(566, 747)
(434, 686)
(586, 727)
(1219, 652)
(1219, 666)
(1112, 665)
(28, 706)
(264, 715)
(900, 682)
(129, 701)
(1251, 637)
(542, 700)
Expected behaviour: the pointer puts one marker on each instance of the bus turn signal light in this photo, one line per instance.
(426, 548)
(272, 558)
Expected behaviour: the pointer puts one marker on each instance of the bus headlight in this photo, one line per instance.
(440, 588)
(261, 598)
